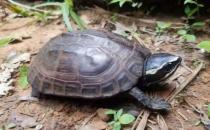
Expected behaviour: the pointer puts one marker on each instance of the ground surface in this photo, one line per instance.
(68, 114)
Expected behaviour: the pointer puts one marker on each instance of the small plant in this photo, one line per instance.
(5, 41)
(119, 119)
(114, 17)
(187, 32)
(204, 45)
(41, 17)
(185, 36)
(23, 80)
(162, 26)
(197, 25)
(192, 7)
(66, 8)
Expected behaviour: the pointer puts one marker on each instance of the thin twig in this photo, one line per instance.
(137, 120)
(89, 119)
(180, 121)
(152, 122)
(139, 40)
(186, 67)
(143, 122)
(153, 127)
(26, 7)
(182, 115)
(193, 107)
(161, 122)
(182, 86)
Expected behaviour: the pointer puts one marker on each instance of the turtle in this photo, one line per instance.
(97, 64)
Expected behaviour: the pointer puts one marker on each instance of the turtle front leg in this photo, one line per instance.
(35, 93)
(154, 104)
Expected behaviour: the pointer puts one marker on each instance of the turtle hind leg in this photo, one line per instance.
(35, 93)
(154, 104)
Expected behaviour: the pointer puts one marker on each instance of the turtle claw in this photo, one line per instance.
(159, 105)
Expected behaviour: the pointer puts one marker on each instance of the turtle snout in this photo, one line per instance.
(160, 66)
(173, 63)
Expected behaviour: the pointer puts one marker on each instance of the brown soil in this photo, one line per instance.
(55, 113)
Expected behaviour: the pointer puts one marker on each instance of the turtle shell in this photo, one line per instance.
(87, 64)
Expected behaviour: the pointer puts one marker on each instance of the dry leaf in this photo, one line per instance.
(8, 68)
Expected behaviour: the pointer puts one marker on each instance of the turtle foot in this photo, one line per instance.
(158, 104)
(154, 104)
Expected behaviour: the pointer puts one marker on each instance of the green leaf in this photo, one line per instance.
(65, 12)
(182, 32)
(193, 11)
(126, 119)
(114, 1)
(114, 17)
(187, 10)
(19, 10)
(6, 41)
(77, 19)
(10, 126)
(47, 4)
(119, 113)
(42, 17)
(163, 25)
(200, 5)
(69, 3)
(121, 2)
(23, 80)
(190, 2)
(209, 110)
(190, 38)
(110, 112)
(117, 126)
(198, 24)
(111, 123)
(204, 45)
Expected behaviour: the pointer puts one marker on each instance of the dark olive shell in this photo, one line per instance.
(87, 64)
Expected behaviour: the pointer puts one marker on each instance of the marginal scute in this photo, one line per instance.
(108, 88)
(47, 88)
(90, 91)
(72, 89)
(59, 90)
(87, 64)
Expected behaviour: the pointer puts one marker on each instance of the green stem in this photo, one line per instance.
(27, 7)
(65, 12)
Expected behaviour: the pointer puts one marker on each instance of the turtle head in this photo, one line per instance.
(160, 66)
